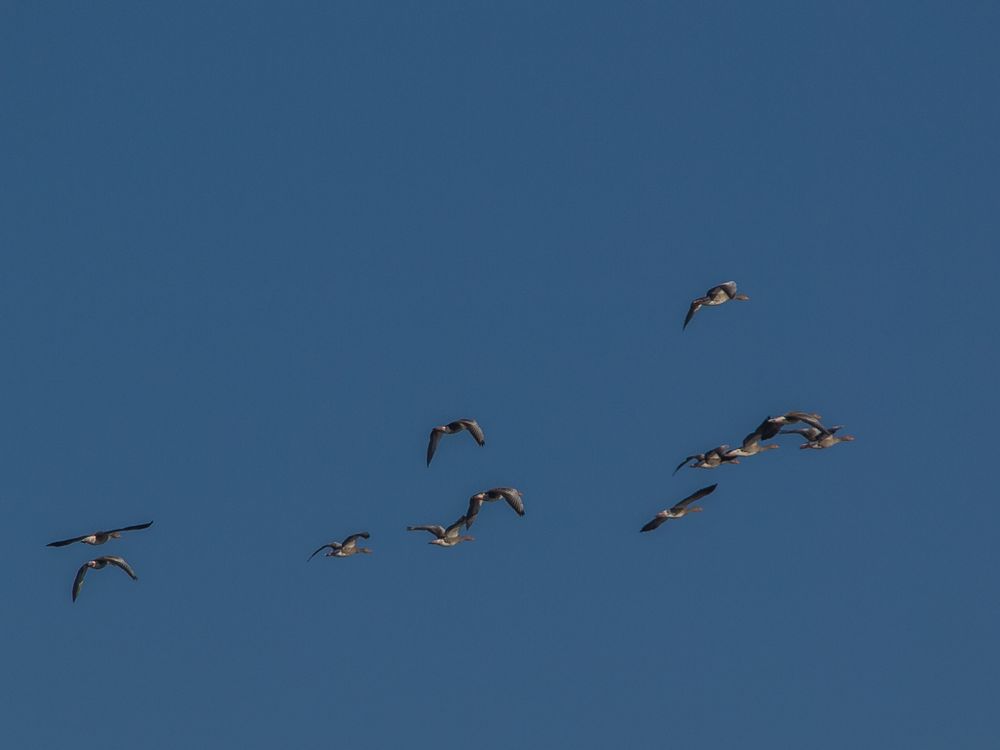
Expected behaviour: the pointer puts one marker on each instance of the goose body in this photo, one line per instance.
(710, 459)
(450, 429)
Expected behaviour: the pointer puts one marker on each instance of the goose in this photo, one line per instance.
(450, 429)
(99, 537)
(771, 426)
(345, 548)
(751, 446)
(812, 433)
(97, 564)
(448, 537)
(717, 295)
(710, 459)
(514, 498)
(827, 441)
(679, 510)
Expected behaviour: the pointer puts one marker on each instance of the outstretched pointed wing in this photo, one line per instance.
(695, 496)
(433, 444)
(514, 499)
(352, 540)
(685, 461)
(78, 581)
(119, 562)
(657, 521)
(475, 430)
(695, 307)
(436, 530)
(452, 531)
(325, 546)
(64, 542)
(130, 528)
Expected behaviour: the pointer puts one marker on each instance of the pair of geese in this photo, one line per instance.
(444, 536)
(94, 539)
(817, 437)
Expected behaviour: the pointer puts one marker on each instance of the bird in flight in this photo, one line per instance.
(717, 295)
(514, 498)
(99, 537)
(345, 548)
(97, 564)
(710, 459)
(450, 429)
(448, 537)
(679, 510)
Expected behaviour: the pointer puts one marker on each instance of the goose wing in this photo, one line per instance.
(475, 503)
(452, 531)
(119, 562)
(78, 581)
(699, 456)
(64, 542)
(352, 540)
(475, 430)
(695, 496)
(513, 497)
(695, 307)
(137, 527)
(729, 287)
(436, 530)
(658, 520)
(433, 444)
(331, 545)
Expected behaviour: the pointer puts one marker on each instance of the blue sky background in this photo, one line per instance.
(252, 252)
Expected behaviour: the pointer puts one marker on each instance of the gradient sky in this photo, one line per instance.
(252, 252)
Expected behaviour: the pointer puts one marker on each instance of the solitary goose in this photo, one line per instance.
(97, 564)
(513, 497)
(445, 537)
(710, 459)
(717, 295)
(99, 537)
(450, 429)
(679, 510)
(345, 548)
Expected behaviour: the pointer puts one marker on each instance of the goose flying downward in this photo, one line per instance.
(448, 537)
(345, 548)
(450, 429)
(99, 537)
(97, 564)
(679, 510)
(710, 459)
(717, 295)
(514, 498)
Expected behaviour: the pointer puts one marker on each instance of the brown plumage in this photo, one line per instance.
(514, 498)
(717, 295)
(97, 564)
(450, 429)
(446, 537)
(680, 509)
(99, 537)
(345, 548)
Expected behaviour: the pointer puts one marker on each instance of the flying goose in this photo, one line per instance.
(97, 564)
(812, 433)
(451, 428)
(445, 537)
(679, 510)
(99, 537)
(717, 295)
(514, 498)
(751, 446)
(826, 441)
(345, 548)
(710, 459)
(772, 425)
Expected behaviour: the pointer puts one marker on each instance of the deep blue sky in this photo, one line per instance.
(252, 252)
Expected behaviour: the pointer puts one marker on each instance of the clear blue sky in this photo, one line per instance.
(252, 252)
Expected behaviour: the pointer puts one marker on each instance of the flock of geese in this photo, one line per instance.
(814, 434)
